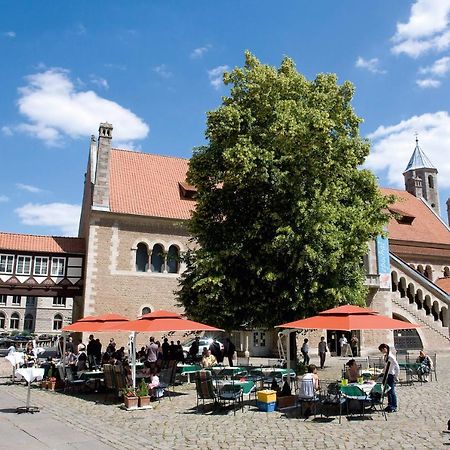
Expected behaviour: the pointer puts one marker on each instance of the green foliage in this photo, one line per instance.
(284, 211)
(142, 390)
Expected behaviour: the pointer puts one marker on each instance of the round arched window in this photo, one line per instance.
(14, 321)
(57, 322)
(157, 261)
(173, 259)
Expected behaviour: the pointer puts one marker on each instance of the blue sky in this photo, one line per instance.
(154, 69)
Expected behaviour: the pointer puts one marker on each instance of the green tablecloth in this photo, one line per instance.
(188, 368)
(246, 386)
(228, 371)
(408, 365)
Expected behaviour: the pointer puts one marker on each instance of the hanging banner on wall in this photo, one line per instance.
(383, 262)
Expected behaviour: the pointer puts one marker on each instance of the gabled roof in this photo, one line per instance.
(148, 185)
(41, 244)
(419, 160)
(426, 226)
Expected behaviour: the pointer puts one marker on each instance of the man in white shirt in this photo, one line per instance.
(343, 345)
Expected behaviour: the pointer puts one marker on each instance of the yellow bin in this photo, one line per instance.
(266, 396)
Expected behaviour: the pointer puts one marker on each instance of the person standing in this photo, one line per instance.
(216, 351)
(343, 345)
(354, 345)
(392, 377)
(229, 351)
(165, 349)
(194, 349)
(322, 348)
(152, 352)
(305, 352)
(91, 351)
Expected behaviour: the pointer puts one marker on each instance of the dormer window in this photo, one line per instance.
(187, 191)
(402, 217)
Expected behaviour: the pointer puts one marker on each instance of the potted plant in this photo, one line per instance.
(144, 398)
(129, 398)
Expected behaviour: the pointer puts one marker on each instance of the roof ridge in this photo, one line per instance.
(149, 154)
(39, 235)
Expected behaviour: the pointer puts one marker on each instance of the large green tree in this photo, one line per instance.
(284, 212)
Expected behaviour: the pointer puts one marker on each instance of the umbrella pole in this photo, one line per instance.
(288, 355)
(133, 357)
(63, 353)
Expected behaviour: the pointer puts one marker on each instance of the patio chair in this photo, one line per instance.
(232, 393)
(204, 388)
(166, 379)
(377, 396)
(307, 395)
(355, 393)
(71, 384)
(330, 398)
(110, 384)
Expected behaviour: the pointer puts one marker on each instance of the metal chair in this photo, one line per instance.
(330, 397)
(232, 393)
(353, 392)
(308, 395)
(204, 388)
(377, 396)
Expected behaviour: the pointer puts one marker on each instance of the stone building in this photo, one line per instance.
(41, 282)
(133, 221)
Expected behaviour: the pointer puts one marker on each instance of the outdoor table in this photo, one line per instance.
(30, 374)
(91, 375)
(188, 370)
(228, 371)
(248, 386)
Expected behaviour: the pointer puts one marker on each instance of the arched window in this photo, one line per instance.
(430, 181)
(146, 310)
(141, 258)
(57, 322)
(14, 321)
(2, 320)
(28, 322)
(173, 259)
(157, 261)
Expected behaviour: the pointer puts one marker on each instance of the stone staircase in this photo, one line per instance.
(420, 315)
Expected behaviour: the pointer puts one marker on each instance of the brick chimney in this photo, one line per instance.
(448, 211)
(101, 185)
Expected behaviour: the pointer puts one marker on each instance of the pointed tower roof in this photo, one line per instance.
(418, 159)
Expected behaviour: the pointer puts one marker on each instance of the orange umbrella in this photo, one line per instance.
(347, 318)
(160, 321)
(96, 323)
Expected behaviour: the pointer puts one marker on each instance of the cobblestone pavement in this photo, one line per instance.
(174, 424)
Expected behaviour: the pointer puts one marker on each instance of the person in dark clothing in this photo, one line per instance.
(98, 352)
(172, 350)
(91, 351)
(69, 345)
(165, 349)
(229, 351)
(111, 347)
(194, 349)
(179, 355)
(216, 351)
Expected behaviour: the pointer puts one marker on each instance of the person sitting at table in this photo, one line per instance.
(154, 384)
(352, 371)
(208, 360)
(29, 354)
(425, 366)
(309, 387)
(81, 361)
(120, 354)
(141, 354)
(147, 371)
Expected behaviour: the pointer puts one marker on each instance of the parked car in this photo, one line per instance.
(203, 342)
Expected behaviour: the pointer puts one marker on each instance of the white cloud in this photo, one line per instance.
(392, 146)
(99, 81)
(61, 216)
(55, 109)
(426, 83)
(9, 34)
(216, 76)
(372, 65)
(427, 29)
(4, 199)
(7, 130)
(163, 71)
(29, 188)
(439, 68)
(198, 53)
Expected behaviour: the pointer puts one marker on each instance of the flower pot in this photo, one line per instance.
(130, 402)
(144, 400)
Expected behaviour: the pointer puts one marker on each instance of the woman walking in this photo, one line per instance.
(392, 376)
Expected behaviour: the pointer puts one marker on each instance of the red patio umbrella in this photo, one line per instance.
(96, 323)
(160, 321)
(347, 318)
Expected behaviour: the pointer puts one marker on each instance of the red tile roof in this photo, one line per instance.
(444, 284)
(148, 185)
(425, 227)
(43, 244)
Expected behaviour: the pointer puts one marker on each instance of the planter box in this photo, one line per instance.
(144, 401)
(287, 401)
(130, 402)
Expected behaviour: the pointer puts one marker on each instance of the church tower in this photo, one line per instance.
(421, 178)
